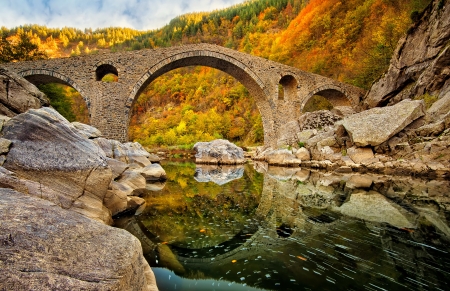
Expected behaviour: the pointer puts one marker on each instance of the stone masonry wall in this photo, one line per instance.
(110, 104)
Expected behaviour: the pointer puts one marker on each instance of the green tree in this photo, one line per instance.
(22, 50)
(58, 100)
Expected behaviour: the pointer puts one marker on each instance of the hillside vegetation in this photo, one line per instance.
(350, 41)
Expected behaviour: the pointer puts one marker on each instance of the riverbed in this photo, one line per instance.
(255, 227)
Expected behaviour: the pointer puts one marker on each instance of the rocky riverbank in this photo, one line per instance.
(60, 185)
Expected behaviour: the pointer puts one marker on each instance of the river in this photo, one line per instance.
(255, 227)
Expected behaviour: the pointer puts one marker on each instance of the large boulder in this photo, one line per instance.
(421, 61)
(218, 151)
(17, 95)
(317, 119)
(377, 125)
(282, 157)
(47, 149)
(44, 247)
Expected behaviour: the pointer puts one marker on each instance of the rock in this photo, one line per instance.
(154, 172)
(359, 155)
(3, 120)
(343, 110)
(218, 151)
(134, 180)
(304, 135)
(359, 181)
(47, 149)
(155, 186)
(49, 248)
(420, 62)
(154, 158)
(282, 157)
(432, 129)
(106, 145)
(4, 145)
(303, 154)
(120, 189)
(131, 152)
(344, 169)
(377, 125)
(87, 130)
(317, 119)
(219, 175)
(116, 201)
(117, 167)
(17, 95)
(134, 203)
(375, 207)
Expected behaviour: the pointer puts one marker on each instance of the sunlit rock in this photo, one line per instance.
(154, 172)
(218, 151)
(47, 149)
(218, 174)
(377, 125)
(50, 248)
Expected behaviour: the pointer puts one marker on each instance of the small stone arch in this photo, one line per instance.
(42, 76)
(287, 88)
(337, 96)
(216, 60)
(104, 68)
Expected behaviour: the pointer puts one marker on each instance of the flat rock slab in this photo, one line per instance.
(44, 247)
(377, 125)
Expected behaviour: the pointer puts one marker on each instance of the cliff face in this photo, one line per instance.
(421, 62)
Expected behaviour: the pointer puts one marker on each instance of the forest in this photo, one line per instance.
(350, 41)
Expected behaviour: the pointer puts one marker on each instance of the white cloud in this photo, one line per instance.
(137, 14)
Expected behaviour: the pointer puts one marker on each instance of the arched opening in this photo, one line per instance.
(192, 104)
(65, 96)
(326, 99)
(250, 85)
(287, 88)
(106, 73)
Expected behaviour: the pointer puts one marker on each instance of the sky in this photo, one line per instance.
(137, 14)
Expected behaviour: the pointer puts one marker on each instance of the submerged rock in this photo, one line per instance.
(44, 247)
(47, 149)
(218, 151)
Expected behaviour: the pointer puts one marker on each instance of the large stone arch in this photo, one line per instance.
(42, 76)
(337, 96)
(216, 60)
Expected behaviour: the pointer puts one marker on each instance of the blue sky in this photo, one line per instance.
(137, 14)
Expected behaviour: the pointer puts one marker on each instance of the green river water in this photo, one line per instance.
(237, 228)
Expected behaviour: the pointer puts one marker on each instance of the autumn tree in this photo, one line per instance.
(21, 49)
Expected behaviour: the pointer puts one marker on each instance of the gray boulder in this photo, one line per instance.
(218, 151)
(131, 152)
(47, 149)
(49, 248)
(377, 125)
(282, 157)
(17, 95)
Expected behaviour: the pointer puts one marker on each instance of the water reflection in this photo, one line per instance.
(287, 228)
(219, 174)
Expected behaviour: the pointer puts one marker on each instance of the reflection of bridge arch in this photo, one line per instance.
(43, 76)
(217, 60)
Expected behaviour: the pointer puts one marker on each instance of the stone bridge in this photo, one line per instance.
(280, 91)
